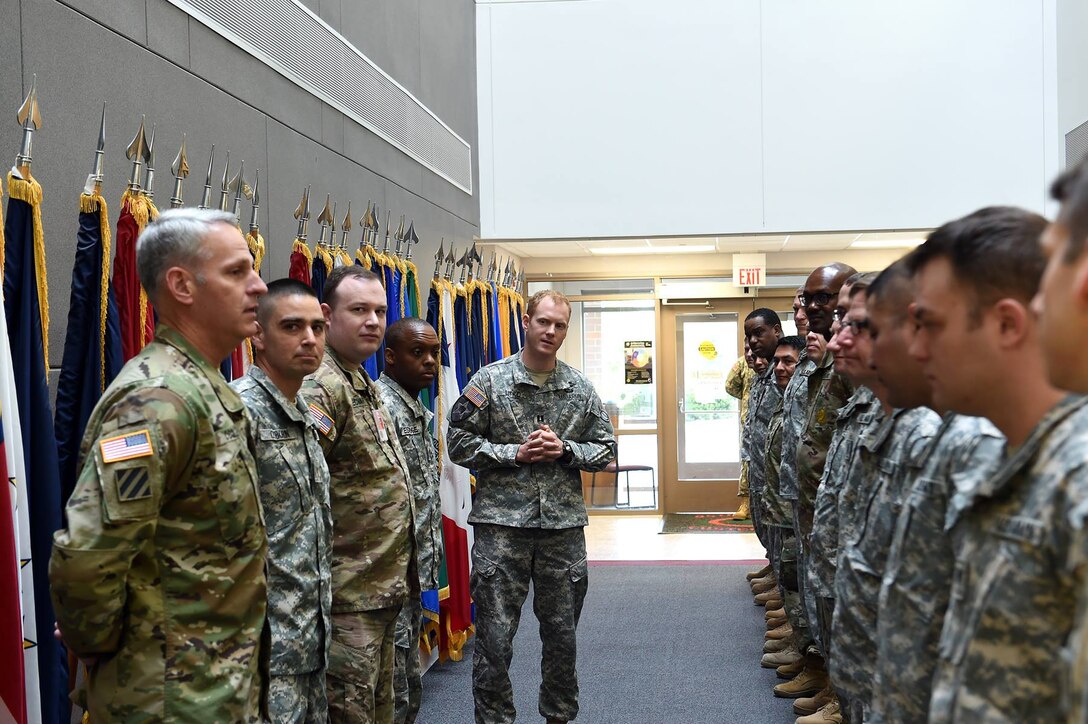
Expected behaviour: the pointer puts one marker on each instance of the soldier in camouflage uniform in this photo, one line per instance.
(158, 582)
(893, 457)
(528, 424)
(762, 330)
(373, 565)
(1010, 649)
(738, 384)
(412, 357)
(294, 485)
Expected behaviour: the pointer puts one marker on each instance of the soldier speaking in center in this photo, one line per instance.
(158, 582)
(527, 424)
(294, 485)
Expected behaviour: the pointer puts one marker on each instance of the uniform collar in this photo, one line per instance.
(358, 377)
(296, 411)
(413, 403)
(164, 334)
(557, 380)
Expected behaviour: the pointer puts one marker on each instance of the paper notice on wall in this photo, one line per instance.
(638, 362)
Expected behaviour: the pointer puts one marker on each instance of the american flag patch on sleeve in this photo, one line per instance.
(126, 447)
(475, 396)
(324, 422)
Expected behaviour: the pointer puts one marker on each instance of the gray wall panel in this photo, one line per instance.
(147, 57)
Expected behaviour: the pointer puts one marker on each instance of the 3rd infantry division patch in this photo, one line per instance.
(133, 484)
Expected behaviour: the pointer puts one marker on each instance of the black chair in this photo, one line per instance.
(614, 468)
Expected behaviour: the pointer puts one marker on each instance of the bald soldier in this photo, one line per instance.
(158, 582)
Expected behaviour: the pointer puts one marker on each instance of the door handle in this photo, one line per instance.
(680, 405)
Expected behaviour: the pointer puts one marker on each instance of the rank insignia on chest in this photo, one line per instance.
(324, 422)
(821, 416)
(126, 447)
(475, 396)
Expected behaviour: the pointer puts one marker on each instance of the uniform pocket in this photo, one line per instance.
(579, 571)
(234, 495)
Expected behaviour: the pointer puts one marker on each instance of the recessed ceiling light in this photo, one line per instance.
(679, 249)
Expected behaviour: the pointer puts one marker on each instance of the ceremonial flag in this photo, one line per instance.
(456, 496)
(26, 305)
(478, 326)
(137, 319)
(461, 336)
(256, 247)
(320, 271)
(92, 345)
(494, 319)
(302, 259)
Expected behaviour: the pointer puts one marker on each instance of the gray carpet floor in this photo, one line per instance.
(657, 644)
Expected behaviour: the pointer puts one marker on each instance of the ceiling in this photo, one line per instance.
(766, 243)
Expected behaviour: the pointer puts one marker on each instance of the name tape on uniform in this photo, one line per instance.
(126, 447)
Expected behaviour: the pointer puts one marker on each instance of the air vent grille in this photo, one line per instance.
(289, 38)
(1076, 144)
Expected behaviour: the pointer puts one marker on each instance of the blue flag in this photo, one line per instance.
(28, 323)
(92, 346)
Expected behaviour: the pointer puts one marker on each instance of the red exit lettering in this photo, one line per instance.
(750, 277)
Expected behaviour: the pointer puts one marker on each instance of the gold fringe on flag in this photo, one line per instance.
(325, 257)
(402, 267)
(256, 248)
(344, 257)
(363, 255)
(30, 192)
(89, 204)
(142, 211)
(301, 247)
(421, 310)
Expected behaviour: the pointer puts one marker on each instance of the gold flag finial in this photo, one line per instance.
(96, 176)
(302, 213)
(345, 227)
(137, 152)
(30, 118)
(180, 169)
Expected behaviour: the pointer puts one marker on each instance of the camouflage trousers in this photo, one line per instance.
(407, 675)
(755, 505)
(787, 573)
(360, 679)
(742, 485)
(298, 699)
(504, 561)
(802, 527)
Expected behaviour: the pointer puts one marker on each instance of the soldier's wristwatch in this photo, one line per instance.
(568, 453)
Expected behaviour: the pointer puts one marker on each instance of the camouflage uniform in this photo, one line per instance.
(777, 518)
(852, 422)
(294, 486)
(160, 572)
(528, 523)
(738, 384)
(892, 457)
(764, 397)
(1012, 644)
(413, 423)
(373, 554)
(918, 572)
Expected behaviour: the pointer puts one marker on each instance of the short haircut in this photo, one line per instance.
(891, 289)
(769, 316)
(398, 330)
(1071, 189)
(794, 340)
(340, 273)
(536, 299)
(861, 282)
(277, 290)
(175, 238)
(994, 253)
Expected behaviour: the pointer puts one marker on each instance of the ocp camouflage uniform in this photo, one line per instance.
(738, 384)
(918, 572)
(294, 488)
(373, 554)
(161, 571)
(852, 423)
(528, 523)
(892, 457)
(413, 424)
(763, 398)
(1012, 644)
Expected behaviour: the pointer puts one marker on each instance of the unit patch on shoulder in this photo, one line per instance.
(324, 422)
(125, 447)
(475, 396)
(133, 484)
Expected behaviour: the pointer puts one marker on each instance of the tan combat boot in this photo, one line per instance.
(770, 598)
(828, 714)
(775, 622)
(764, 586)
(812, 704)
(788, 655)
(752, 575)
(790, 670)
(810, 681)
(771, 646)
(743, 512)
(769, 578)
(773, 613)
(782, 632)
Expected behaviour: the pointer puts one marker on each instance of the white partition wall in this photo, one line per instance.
(607, 118)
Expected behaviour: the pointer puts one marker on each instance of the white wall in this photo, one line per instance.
(643, 117)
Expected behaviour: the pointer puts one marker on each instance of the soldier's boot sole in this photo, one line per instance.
(830, 713)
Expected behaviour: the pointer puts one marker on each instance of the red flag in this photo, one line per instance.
(302, 261)
(134, 309)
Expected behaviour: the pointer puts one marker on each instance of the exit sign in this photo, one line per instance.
(749, 270)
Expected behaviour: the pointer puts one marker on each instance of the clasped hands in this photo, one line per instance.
(542, 446)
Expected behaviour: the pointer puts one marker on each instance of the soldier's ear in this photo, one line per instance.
(390, 358)
(327, 311)
(258, 338)
(181, 284)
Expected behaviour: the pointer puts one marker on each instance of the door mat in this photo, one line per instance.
(705, 523)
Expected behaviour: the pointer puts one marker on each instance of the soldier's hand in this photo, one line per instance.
(551, 447)
(528, 451)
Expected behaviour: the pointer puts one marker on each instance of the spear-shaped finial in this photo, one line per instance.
(240, 188)
(137, 153)
(438, 258)
(30, 119)
(325, 218)
(206, 197)
(412, 239)
(253, 225)
(367, 221)
(224, 185)
(96, 176)
(399, 236)
(302, 213)
(149, 163)
(519, 283)
(345, 227)
(180, 169)
(450, 260)
(491, 266)
(479, 260)
(463, 262)
(385, 245)
(506, 277)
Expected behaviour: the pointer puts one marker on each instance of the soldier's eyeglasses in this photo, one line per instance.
(838, 314)
(820, 299)
(856, 326)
